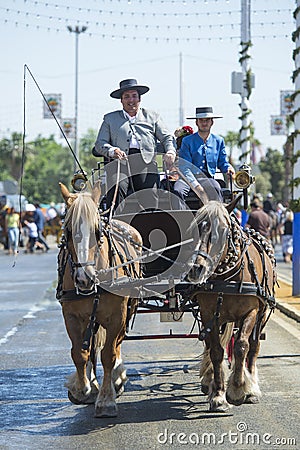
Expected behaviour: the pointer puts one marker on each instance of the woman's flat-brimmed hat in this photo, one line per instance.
(205, 112)
(129, 85)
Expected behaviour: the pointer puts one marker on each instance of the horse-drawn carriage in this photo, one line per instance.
(196, 261)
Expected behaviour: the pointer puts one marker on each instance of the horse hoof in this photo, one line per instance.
(219, 408)
(236, 401)
(106, 411)
(251, 399)
(204, 389)
(85, 401)
(74, 400)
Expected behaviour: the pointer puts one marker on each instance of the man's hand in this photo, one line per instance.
(119, 154)
(231, 171)
(169, 159)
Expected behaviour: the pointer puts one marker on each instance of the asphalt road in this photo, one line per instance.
(162, 406)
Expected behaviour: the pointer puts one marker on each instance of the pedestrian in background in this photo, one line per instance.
(32, 234)
(258, 219)
(40, 220)
(12, 219)
(286, 229)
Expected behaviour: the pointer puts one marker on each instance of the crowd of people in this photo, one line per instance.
(26, 230)
(273, 221)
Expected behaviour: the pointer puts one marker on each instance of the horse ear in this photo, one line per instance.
(68, 197)
(65, 191)
(230, 207)
(96, 192)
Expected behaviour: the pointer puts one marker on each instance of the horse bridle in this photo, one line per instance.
(91, 263)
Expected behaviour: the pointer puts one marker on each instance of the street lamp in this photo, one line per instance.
(77, 30)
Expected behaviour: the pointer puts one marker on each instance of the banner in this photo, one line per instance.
(68, 125)
(286, 103)
(278, 125)
(54, 102)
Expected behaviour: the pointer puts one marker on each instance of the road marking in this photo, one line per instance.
(29, 315)
(8, 334)
(287, 326)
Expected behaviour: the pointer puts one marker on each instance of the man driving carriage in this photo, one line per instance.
(200, 155)
(128, 139)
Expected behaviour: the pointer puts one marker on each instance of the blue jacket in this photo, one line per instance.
(198, 157)
(39, 219)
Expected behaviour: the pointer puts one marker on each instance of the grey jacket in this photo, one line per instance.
(149, 128)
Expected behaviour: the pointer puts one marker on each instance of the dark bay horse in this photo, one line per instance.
(94, 257)
(234, 277)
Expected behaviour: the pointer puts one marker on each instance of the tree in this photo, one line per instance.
(87, 142)
(11, 157)
(273, 165)
(47, 163)
(231, 141)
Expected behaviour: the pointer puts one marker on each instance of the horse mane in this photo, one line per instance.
(83, 207)
(212, 209)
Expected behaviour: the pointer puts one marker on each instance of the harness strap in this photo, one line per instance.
(205, 331)
(62, 260)
(91, 328)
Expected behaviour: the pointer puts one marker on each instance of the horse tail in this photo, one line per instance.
(226, 335)
(206, 364)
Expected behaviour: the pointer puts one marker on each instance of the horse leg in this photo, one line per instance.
(239, 383)
(78, 384)
(254, 395)
(217, 400)
(206, 370)
(114, 324)
(105, 405)
(119, 376)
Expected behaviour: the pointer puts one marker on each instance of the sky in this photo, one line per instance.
(142, 39)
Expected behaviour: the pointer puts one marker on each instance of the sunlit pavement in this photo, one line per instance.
(286, 302)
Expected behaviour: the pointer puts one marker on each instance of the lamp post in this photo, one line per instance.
(77, 30)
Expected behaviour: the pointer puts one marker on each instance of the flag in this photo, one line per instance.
(278, 125)
(286, 103)
(54, 102)
(68, 126)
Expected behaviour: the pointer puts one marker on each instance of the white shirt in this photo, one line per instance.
(133, 140)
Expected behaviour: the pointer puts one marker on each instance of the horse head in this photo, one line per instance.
(213, 224)
(82, 230)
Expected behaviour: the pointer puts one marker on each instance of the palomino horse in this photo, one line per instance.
(234, 277)
(94, 257)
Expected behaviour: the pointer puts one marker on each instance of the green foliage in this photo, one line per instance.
(46, 163)
(11, 157)
(87, 160)
(231, 141)
(274, 165)
(263, 183)
(295, 205)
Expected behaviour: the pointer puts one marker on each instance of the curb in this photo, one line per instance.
(284, 299)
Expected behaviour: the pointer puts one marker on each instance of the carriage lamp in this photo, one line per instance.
(243, 178)
(78, 181)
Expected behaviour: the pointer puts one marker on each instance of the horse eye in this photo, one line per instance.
(204, 227)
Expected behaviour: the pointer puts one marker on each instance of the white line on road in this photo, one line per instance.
(29, 315)
(287, 326)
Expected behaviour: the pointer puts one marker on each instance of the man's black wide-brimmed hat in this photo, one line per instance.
(205, 112)
(128, 85)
